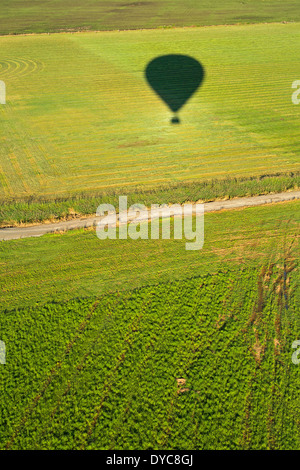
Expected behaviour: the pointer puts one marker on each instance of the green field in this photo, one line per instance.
(80, 116)
(36, 16)
(77, 264)
(100, 371)
(101, 374)
(140, 344)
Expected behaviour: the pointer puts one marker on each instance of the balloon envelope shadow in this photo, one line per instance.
(175, 78)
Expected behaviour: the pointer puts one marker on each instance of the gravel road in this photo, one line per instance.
(39, 230)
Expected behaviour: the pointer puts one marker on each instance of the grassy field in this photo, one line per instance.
(81, 117)
(102, 374)
(77, 264)
(35, 16)
(98, 333)
(100, 371)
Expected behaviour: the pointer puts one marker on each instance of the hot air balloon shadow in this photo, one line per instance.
(175, 78)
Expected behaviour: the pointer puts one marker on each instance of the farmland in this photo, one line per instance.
(77, 264)
(80, 116)
(141, 344)
(38, 16)
(101, 371)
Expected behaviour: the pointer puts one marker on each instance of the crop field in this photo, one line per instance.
(81, 117)
(141, 344)
(166, 350)
(201, 363)
(36, 16)
(60, 267)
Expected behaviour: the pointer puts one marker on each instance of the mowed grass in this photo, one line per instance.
(35, 16)
(81, 117)
(77, 264)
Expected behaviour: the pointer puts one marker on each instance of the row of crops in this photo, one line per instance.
(203, 363)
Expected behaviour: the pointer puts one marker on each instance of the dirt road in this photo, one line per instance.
(39, 230)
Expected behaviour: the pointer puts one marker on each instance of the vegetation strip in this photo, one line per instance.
(38, 16)
(39, 230)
